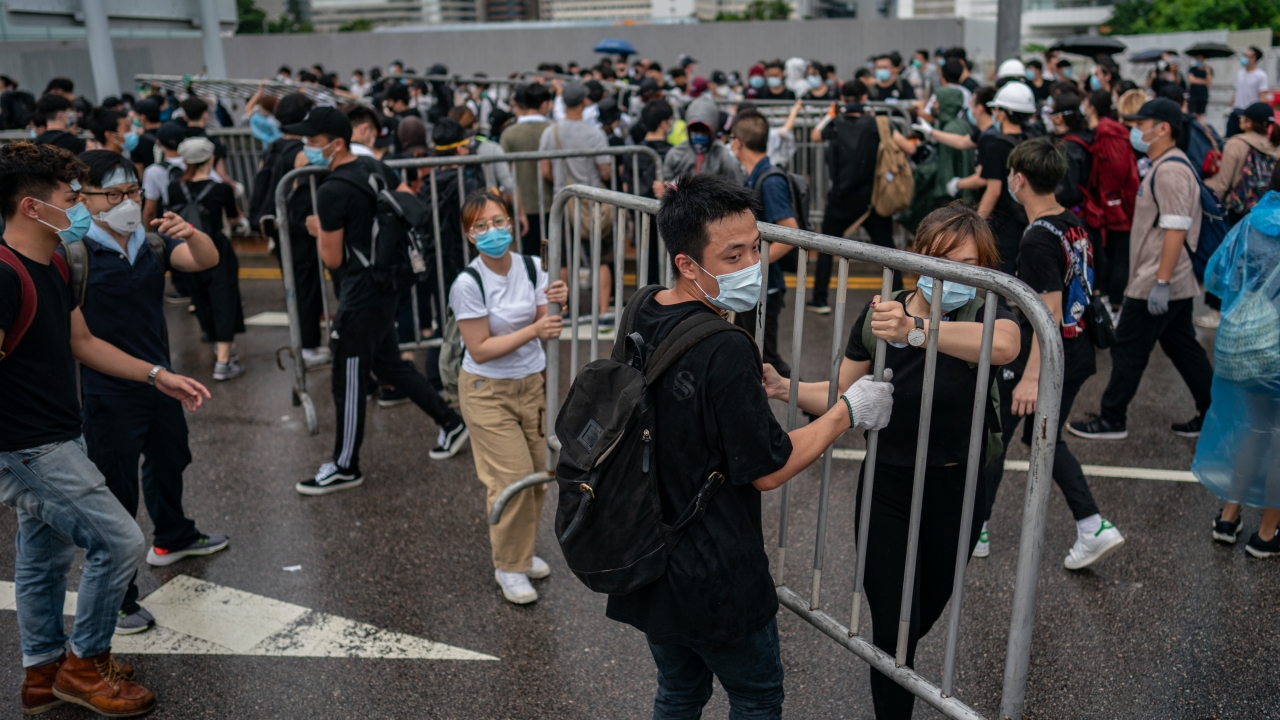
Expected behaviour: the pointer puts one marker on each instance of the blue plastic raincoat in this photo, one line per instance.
(1238, 454)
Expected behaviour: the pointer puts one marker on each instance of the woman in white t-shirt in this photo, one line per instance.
(500, 302)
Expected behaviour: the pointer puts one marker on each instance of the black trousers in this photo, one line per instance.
(1067, 472)
(216, 294)
(364, 342)
(306, 281)
(835, 220)
(428, 307)
(935, 563)
(118, 429)
(1116, 269)
(772, 309)
(1136, 337)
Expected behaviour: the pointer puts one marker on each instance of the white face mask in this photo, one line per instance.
(124, 218)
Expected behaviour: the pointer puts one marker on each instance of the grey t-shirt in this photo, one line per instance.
(575, 135)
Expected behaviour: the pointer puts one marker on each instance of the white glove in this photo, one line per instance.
(925, 129)
(953, 186)
(870, 403)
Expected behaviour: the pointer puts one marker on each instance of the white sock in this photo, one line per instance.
(1090, 525)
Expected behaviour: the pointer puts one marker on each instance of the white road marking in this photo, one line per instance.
(1107, 471)
(584, 330)
(268, 319)
(194, 617)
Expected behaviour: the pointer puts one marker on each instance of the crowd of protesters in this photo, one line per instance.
(1094, 190)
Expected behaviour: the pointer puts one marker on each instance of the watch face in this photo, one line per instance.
(916, 337)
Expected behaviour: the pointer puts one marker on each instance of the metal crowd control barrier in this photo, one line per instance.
(1039, 478)
(640, 228)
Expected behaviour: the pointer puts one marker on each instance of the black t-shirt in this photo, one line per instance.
(712, 416)
(852, 144)
(970, 84)
(786, 94)
(993, 155)
(1198, 92)
(1040, 93)
(62, 139)
(953, 390)
(899, 90)
(1042, 264)
(219, 200)
(346, 203)
(39, 403)
(144, 153)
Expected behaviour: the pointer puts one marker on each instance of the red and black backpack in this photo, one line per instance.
(28, 303)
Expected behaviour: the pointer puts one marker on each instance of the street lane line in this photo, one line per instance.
(1107, 471)
(194, 617)
(270, 318)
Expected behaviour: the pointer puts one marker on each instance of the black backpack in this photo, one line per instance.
(263, 200)
(190, 208)
(396, 248)
(798, 185)
(609, 519)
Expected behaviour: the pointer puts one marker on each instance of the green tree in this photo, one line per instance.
(768, 10)
(356, 25)
(1134, 17)
(291, 21)
(253, 19)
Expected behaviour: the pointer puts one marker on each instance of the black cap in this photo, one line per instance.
(322, 121)
(1161, 109)
(649, 85)
(718, 77)
(171, 134)
(1260, 114)
(498, 118)
(447, 134)
(609, 111)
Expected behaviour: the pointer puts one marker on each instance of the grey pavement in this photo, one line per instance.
(1172, 626)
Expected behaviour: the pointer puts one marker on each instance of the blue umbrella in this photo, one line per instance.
(615, 46)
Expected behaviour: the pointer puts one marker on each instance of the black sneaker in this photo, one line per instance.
(1096, 428)
(450, 442)
(1260, 548)
(1190, 428)
(1226, 532)
(389, 397)
(330, 479)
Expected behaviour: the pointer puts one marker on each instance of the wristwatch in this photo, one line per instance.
(916, 336)
(151, 377)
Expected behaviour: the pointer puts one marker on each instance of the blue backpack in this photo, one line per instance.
(1213, 221)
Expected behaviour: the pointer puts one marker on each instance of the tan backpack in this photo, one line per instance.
(894, 183)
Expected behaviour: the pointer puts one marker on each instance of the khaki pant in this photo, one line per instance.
(508, 442)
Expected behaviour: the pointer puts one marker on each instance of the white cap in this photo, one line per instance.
(195, 150)
(1016, 97)
(1011, 68)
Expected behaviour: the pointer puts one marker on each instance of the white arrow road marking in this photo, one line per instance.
(1111, 471)
(194, 617)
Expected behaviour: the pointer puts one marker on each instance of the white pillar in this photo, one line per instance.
(215, 62)
(101, 56)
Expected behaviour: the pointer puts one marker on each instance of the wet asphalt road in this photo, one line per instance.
(1172, 626)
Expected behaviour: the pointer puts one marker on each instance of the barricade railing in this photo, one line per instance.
(432, 165)
(940, 695)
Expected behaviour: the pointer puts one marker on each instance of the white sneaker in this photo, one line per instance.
(539, 570)
(515, 587)
(315, 357)
(983, 546)
(1209, 320)
(1090, 549)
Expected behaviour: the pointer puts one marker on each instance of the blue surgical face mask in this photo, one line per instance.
(739, 291)
(814, 81)
(831, 82)
(756, 82)
(968, 115)
(774, 82)
(1136, 140)
(1008, 186)
(1244, 61)
(1031, 75)
(954, 295)
(1094, 83)
(495, 242)
(79, 217)
(700, 141)
(130, 142)
(883, 75)
(315, 155)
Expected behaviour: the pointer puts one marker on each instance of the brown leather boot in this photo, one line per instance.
(97, 683)
(37, 688)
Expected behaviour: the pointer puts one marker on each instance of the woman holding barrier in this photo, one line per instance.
(500, 303)
(954, 233)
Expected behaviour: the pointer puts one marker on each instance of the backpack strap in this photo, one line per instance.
(1073, 258)
(476, 276)
(530, 270)
(27, 303)
(684, 336)
(1155, 222)
(77, 264)
(156, 245)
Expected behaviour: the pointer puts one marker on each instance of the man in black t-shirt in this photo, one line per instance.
(713, 610)
(1013, 106)
(60, 120)
(1055, 259)
(146, 118)
(889, 86)
(363, 338)
(61, 498)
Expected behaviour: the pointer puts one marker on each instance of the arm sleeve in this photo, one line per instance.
(757, 445)
(170, 244)
(854, 349)
(548, 139)
(465, 299)
(333, 207)
(993, 159)
(1176, 195)
(1041, 260)
(229, 203)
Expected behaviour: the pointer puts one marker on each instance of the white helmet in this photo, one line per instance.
(1011, 69)
(1016, 97)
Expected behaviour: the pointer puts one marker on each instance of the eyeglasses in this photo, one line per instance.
(500, 223)
(116, 196)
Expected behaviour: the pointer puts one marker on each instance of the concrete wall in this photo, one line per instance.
(727, 46)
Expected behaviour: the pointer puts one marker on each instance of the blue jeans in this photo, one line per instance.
(63, 503)
(750, 670)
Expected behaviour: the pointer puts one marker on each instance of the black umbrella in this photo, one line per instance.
(1210, 50)
(1150, 56)
(1089, 45)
